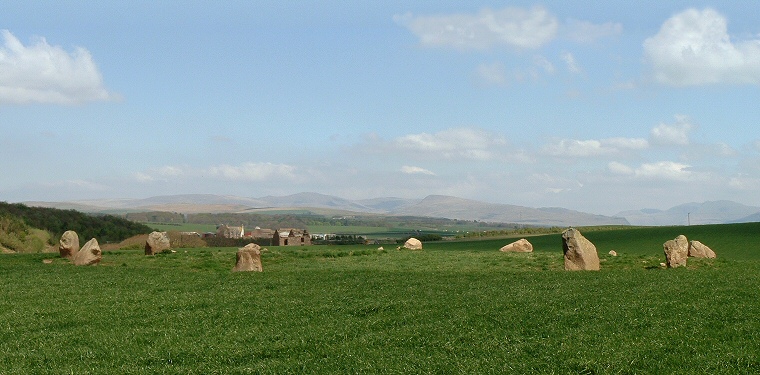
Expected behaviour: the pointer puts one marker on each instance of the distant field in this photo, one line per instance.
(455, 307)
(185, 227)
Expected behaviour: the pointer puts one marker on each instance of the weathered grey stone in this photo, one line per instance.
(89, 254)
(700, 250)
(156, 243)
(676, 251)
(413, 244)
(68, 246)
(520, 246)
(580, 253)
(248, 259)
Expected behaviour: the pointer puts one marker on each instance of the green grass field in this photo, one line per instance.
(455, 307)
(184, 227)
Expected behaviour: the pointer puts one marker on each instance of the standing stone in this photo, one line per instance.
(580, 253)
(676, 251)
(520, 246)
(156, 243)
(89, 254)
(700, 250)
(68, 246)
(248, 259)
(413, 244)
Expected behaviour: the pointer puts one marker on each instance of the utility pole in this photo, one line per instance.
(688, 218)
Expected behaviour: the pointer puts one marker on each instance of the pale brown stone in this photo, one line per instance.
(156, 243)
(700, 250)
(613, 253)
(520, 246)
(413, 244)
(248, 259)
(68, 246)
(676, 251)
(89, 254)
(580, 253)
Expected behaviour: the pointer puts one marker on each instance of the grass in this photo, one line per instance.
(184, 227)
(455, 307)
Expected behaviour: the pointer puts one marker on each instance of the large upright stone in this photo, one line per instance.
(676, 251)
(89, 254)
(68, 246)
(700, 250)
(156, 243)
(520, 246)
(248, 259)
(413, 244)
(580, 253)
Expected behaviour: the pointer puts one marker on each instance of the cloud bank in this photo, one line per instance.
(514, 27)
(694, 48)
(41, 73)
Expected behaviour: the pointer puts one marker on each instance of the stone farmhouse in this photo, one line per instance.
(279, 237)
(226, 231)
(291, 237)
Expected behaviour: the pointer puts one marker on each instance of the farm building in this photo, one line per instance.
(291, 237)
(225, 231)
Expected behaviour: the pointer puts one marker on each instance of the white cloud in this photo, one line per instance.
(491, 74)
(452, 143)
(248, 171)
(587, 32)
(672, 134)
(620, 168)
(664, 170)
(745, 183)
(573, 147)
(416, 170)
(511, 26)
(170, 171)
(41, 73)
(544, 64)
(253, 171)
(626, 143)
(593, 147)
(572, 65)
(694, 48)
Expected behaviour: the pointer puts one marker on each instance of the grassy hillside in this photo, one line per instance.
(105, 228)
(16, 236)
(455, 307)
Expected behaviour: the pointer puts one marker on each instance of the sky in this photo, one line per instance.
(593, 106)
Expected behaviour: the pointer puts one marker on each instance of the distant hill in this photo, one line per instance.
(712, 212)
(465, 209)
(436, 206)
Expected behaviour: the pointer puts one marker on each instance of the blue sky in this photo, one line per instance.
(599, 107)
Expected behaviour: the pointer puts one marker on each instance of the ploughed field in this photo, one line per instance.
(454, 307)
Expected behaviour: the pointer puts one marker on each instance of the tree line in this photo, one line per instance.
(106, 228)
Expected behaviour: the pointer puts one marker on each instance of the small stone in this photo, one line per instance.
(156, 243)
(413, 244)
(700, 250)
(520, 246)
(89, 254)
(676, 251)
(248, 259)
(68, 246)
(580, 253)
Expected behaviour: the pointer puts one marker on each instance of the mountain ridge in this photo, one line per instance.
(438, 206)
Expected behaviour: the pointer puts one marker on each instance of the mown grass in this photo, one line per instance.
(455, 307)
